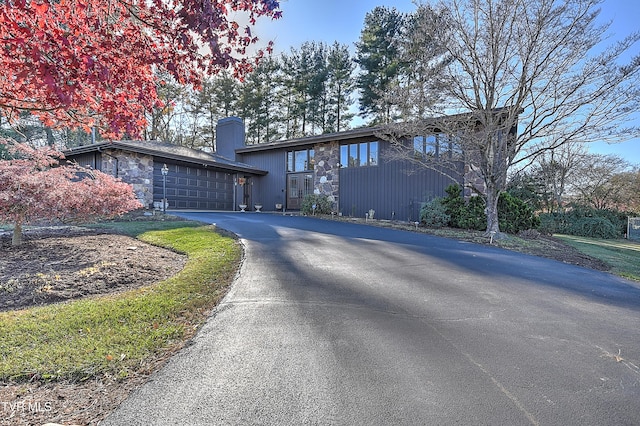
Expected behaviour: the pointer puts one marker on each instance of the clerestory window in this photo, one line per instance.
(363, 154)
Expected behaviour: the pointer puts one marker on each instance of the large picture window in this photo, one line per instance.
(300, 161)
(359, 154)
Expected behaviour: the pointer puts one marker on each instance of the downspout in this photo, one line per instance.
(235, 191)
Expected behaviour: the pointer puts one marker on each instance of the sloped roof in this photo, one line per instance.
(365, 132)
(311, 140)
(170, 152)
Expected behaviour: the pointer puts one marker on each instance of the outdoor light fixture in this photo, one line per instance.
(165, 172)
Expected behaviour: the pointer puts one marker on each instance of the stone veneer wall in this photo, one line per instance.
(327, 176)
(133, 168)
(473, 181)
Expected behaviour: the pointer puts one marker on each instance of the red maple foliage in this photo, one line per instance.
(34, 186)
(83, 63)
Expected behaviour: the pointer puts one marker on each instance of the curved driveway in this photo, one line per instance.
(338, 323)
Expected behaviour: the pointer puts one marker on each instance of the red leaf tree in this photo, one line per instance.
(34, 186)
(85, 63)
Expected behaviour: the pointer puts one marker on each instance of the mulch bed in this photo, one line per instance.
(57, 264)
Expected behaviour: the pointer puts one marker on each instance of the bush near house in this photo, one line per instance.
(433, 214)
(464, 214)
(322, 202)
(513, 213)
(35, 186)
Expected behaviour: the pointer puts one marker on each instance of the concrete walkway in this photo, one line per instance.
(332, 323)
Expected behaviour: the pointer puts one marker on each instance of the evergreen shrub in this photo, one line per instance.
(433, 214)
(322, 202)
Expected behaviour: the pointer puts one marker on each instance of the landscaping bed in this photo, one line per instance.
(63, 263)
(127, 306)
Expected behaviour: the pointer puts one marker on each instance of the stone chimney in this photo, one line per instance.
(229, 137)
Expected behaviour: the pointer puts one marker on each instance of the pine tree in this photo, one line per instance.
(340, 85)
(378, 55)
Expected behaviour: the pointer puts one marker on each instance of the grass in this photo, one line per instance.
(622, 255)
(119, 335)
(136, 228)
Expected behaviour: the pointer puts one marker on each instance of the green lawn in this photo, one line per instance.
(622, 255)
(119, 335)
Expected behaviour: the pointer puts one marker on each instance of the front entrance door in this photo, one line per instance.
(298, 185)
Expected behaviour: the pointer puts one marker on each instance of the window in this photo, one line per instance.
(419, 146)
(444, 143)
(300, 161)
(364, 154)
(373, 153)
(359, 154)
(431, 145)
(344, 155)
(436, 145)
(353, 155)
(290, 161)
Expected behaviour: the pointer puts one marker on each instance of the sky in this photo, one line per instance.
(342, 20)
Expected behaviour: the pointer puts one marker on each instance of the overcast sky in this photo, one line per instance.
(342, 21)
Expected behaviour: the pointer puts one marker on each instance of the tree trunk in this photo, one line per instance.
(16, 239)
(493, 225)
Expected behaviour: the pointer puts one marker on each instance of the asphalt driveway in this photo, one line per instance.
(338, 323)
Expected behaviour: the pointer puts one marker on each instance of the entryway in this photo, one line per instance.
(298, 185)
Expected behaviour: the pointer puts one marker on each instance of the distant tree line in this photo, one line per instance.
(311, 89)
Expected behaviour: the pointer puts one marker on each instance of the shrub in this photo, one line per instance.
(433, 213)
(595, 227)
(473, 215)
(322, 202)
(585, 221)
(515, 215)
(548, 224)
(454, 205)
(34, 186)
(617, 218)
(464, 214)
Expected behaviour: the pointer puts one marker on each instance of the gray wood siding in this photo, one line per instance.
(269, 189)
(91, 159)
(390, 189)
(194, 188)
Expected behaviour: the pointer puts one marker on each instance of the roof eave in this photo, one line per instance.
(312, 140)
(160, 154)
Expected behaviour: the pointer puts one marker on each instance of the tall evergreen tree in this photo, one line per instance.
(163, 116)
(257, 107)
(422, 61)
(298, 71)
(317, 88)
(340, 85)
(217, 98)
(378, 55)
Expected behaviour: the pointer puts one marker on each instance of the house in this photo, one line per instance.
(195, 179)
(352, 168)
